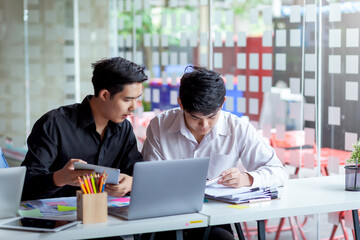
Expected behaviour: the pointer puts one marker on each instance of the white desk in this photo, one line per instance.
(114, 227)
(301, 197)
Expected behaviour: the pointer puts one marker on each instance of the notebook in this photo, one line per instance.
(165, 188)
(11, 185)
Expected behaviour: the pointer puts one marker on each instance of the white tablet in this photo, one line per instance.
(113, 177)
(38, 224)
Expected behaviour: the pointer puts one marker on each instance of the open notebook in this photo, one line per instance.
(164, 188)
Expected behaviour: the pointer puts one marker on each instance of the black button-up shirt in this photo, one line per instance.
(70, 132)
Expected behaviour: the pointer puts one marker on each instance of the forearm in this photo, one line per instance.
(38, 185)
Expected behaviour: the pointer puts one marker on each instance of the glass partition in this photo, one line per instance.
(290, 67)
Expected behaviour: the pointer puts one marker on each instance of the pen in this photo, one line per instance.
(212, 181)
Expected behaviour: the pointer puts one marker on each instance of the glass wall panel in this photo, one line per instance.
(290, 67)
(12, 72)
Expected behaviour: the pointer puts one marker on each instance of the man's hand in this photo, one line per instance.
(119, 190)
(236, 179)
(68, 176)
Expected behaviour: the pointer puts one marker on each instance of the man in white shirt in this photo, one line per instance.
(199, 128)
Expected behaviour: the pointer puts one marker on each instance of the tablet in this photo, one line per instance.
(113, 177)
(38, 224)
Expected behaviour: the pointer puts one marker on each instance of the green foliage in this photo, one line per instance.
(355, 154)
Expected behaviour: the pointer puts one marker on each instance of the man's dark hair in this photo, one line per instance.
(113, 74)
(201, 90)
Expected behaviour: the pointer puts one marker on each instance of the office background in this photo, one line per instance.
(291, 67)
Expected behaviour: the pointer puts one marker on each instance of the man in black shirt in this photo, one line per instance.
(95, 131)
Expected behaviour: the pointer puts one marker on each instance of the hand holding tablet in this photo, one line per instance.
(113, 173)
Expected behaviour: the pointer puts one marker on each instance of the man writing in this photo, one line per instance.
(199, 128)
(95, 131)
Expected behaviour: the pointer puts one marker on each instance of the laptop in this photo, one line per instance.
(11, 186)
(162, 188)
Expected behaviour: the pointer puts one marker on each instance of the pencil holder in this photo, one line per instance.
(91, 208)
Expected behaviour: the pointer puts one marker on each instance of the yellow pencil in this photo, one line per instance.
(82, 185)
(86, 184)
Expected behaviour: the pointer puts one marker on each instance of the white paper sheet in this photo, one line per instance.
(352, 37)
(241, 84)
(309, 136)
(241, 40)
(280, 38)
(309, 112)
(254, 106)
(295, 85)
(351, 91)
(156, 95)
(335, 12)
(350, 139)
(309, 87)
(334, 64)
(334, 115)
(253, 83)
(229, 82)
(241, 105)
(267, 39)
(352, 64)
(267, 61)
(310, 62)
(241, 60)
(266, 84)
(254, 61)
(229, 41)
(218, 60)
(229, 104)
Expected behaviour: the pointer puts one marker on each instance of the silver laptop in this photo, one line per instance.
(165, 188)
(11, 186)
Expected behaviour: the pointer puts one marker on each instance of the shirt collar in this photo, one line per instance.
(178, 123)
(220, 127)
(86, 116)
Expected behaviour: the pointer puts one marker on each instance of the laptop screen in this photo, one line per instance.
(11, 185)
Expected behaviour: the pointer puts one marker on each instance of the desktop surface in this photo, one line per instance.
(300, 197)
(114, 227)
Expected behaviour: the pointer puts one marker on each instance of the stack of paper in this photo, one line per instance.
(240, 195)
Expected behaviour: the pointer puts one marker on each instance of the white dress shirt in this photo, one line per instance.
(232, 142)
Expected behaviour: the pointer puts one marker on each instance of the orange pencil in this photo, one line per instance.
(101, 185)
(99, 181)
(86, 184)
(82, 185)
